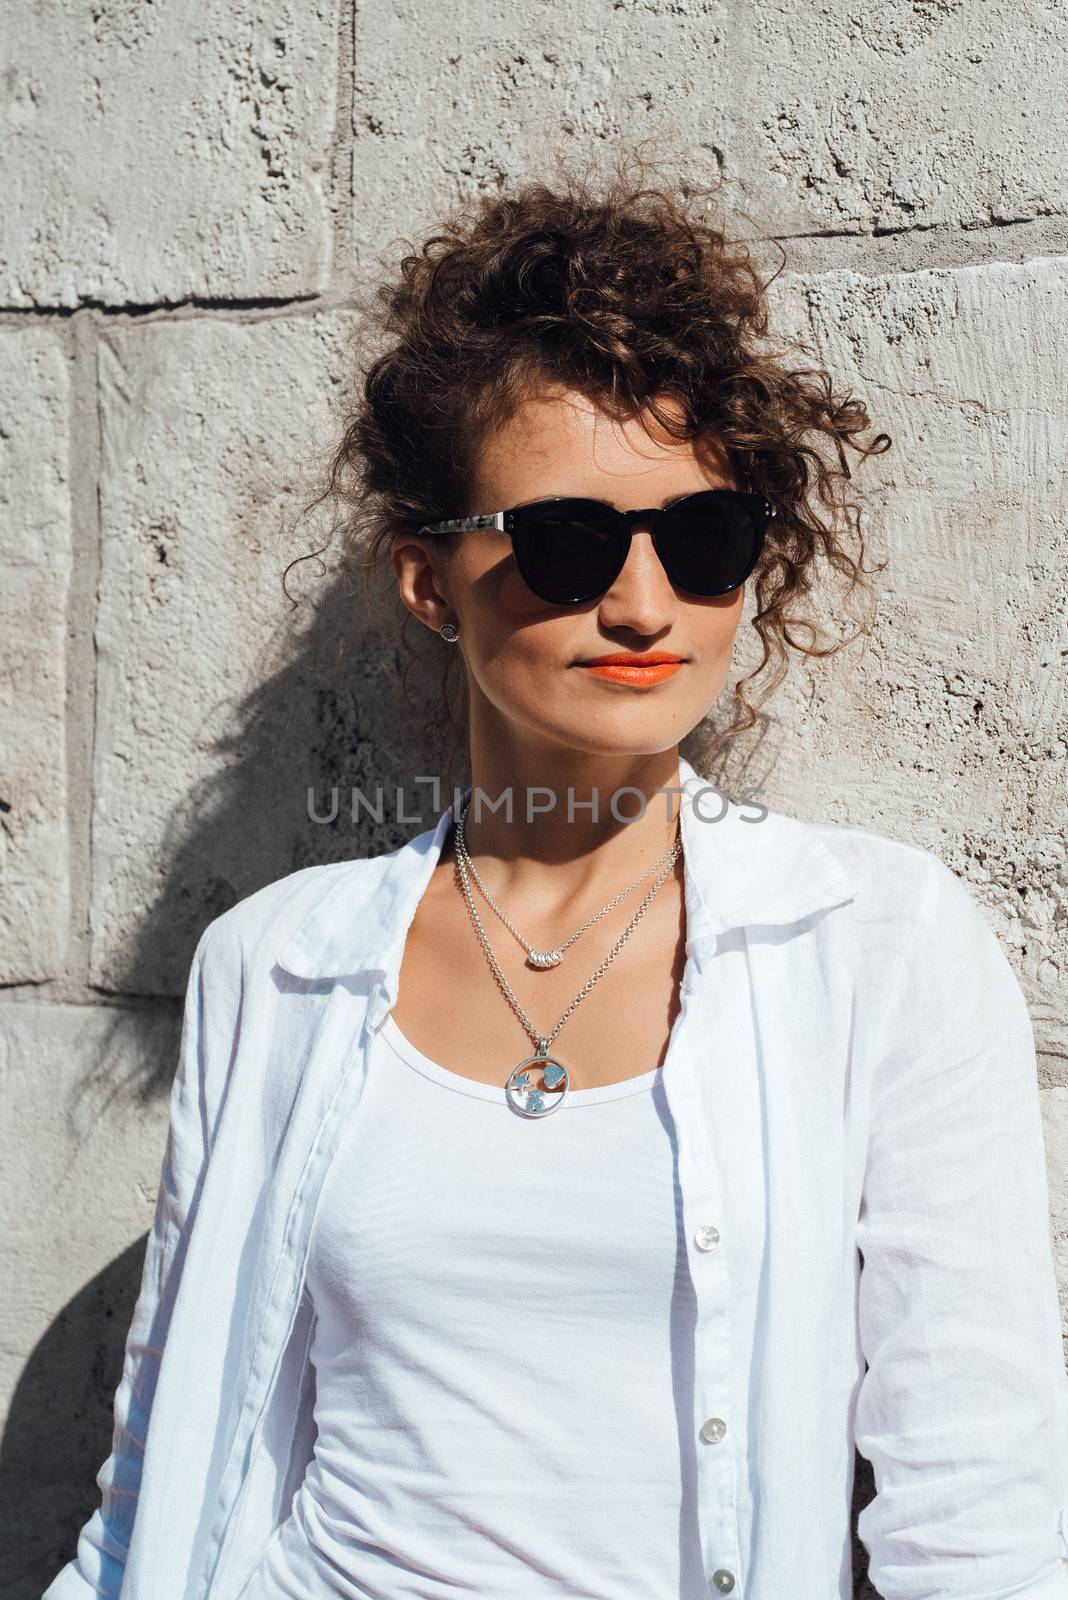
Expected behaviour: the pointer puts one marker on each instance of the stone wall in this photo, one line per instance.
(192, 196)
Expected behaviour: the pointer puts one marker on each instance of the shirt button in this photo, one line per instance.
(713, 1430)
(706, 1238)
(722, 1580)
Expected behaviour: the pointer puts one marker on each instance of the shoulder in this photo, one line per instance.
(922, 949)
(257, 929)
(936, 954)
(882, 866)
(908, 891)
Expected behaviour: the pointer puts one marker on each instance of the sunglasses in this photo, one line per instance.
(570, 550)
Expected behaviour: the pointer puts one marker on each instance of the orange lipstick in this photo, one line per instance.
(655, 666)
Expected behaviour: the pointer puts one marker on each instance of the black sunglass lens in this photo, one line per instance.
(709, 543)
(567, 553)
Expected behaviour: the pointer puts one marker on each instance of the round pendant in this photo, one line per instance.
(537, 1100)
(545, 958)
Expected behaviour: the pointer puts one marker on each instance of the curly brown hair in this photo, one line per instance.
(631, 294)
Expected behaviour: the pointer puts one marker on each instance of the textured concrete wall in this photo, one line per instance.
(190, 198)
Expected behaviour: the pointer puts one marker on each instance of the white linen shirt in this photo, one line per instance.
(851, 1069)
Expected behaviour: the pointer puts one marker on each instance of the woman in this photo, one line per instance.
(519, 1181)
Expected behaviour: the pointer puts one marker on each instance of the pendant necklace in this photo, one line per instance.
(525, 1097)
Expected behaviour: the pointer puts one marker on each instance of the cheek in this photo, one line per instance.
(523, 656)
(520, 664)
(488, 592)
(714, 625)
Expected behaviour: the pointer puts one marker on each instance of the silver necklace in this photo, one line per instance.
(529, 1099)
(553, 957)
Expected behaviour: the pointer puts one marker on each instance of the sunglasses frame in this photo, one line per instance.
(512, 522)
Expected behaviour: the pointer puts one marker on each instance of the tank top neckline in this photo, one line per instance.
(403, 1047)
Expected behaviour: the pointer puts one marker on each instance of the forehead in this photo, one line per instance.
(562, 435)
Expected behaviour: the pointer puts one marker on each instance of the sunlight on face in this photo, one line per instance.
(523, 656)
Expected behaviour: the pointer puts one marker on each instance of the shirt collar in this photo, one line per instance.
(742, 869)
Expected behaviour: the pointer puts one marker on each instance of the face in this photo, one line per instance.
(529, 687)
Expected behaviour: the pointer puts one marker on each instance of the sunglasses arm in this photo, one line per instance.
(491, 520)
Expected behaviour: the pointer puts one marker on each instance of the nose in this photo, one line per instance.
(642, 598)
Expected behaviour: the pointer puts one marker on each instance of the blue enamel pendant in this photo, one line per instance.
(531, 1099)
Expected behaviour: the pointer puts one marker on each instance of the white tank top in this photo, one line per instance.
(503, 1351)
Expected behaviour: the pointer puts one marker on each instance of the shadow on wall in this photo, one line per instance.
(58, 1429)
(248, 824)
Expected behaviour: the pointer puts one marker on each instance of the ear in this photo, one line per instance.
(422, 578)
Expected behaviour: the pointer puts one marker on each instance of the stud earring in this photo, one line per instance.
(449, 632)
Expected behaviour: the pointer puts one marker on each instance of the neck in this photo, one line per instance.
(534, 842)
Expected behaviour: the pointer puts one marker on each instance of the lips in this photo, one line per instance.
(621, 658)
(643, 670)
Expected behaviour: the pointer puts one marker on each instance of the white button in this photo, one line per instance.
(722, 1580)
(706, 1238)
(713, 1430)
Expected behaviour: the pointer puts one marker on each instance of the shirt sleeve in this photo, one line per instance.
(963, 1409)
(205, 1050)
